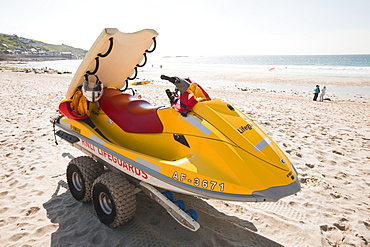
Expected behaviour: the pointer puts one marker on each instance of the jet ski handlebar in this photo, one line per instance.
(173, 79)
(181, 84)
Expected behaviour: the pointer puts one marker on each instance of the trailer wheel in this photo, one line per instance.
(81, 174)
(114, 199)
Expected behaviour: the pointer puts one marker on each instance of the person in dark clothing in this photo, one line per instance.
(316, 92)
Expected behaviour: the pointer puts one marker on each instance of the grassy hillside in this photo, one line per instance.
(64, 48)
(10, 43)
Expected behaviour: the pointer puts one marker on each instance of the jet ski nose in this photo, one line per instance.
(275, 193)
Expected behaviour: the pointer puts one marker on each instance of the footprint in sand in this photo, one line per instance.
(3, 210)
(44, 230)
(310, 165)
(11, 172)
(32, 210)
(338, 152)
(37, 192)
(23, 204)
(336, 195)
(40, 177)
(22, 186)
(155, 220)
(12, 184)
(3, 194)
(18, 236)
(341, 226)
(10, 197)
(283, 209)
(98, 239)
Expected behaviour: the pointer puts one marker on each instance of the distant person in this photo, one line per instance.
(316, 92)
(322, 94)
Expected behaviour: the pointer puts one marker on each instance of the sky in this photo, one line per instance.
(200, 27)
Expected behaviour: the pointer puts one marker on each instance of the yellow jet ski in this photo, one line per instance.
(197, 146)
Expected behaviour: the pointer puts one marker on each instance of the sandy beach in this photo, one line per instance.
(328, 142)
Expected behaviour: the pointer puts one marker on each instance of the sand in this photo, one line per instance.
(328, 142)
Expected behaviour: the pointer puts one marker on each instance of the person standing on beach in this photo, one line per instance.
(322, 94)
(316, 92)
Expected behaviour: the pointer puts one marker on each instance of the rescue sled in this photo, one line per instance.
(197, 145)
(137, 83)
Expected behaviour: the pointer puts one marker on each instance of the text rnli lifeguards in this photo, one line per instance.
(130, 169)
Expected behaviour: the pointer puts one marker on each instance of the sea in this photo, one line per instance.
(319, 65)
(345, 66)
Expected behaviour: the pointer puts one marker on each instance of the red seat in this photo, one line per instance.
(66, 110)
(130, 114)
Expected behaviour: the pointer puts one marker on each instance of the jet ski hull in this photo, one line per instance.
(202, 166)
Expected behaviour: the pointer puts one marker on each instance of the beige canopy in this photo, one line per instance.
(113, 57)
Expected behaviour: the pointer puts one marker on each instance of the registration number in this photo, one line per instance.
(205, 184)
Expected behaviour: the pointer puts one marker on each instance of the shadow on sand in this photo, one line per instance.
(151, 226)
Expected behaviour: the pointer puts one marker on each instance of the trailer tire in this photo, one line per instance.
(81, 174)
(114, 199)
